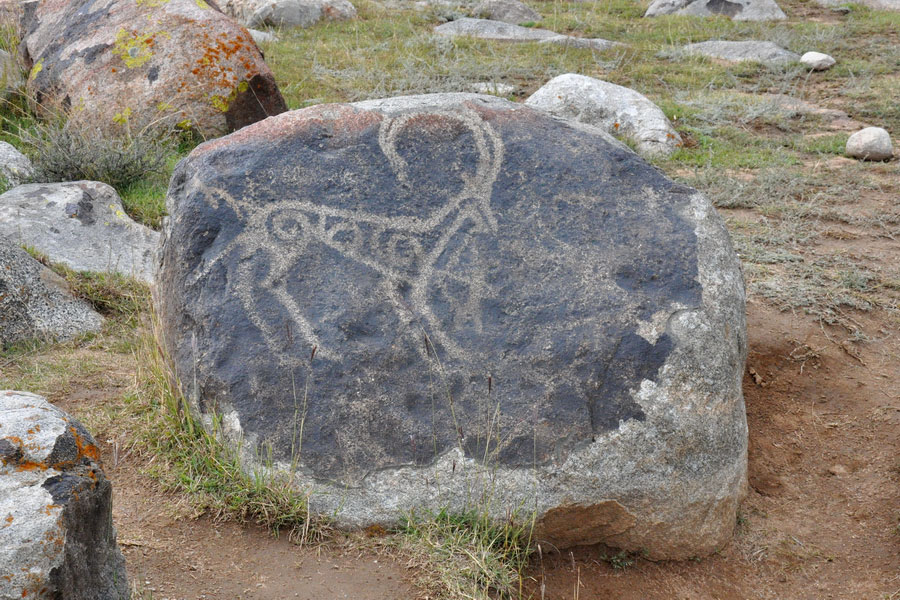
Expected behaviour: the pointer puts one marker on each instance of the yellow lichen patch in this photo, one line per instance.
(164, 107)
(135, 49)
(151, 3)
(37, 68)
(122, 117)
(203, 5)
(221, 103)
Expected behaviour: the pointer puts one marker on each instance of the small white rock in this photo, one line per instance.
(262, 37)
(871, 143)
(817, 61)
(497, 89)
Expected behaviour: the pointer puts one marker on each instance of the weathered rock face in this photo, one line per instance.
(767, 53)
(288, 13)
(35, 303)
(80, 224)
(56, 538)
(106, 62)
(618, 110)
(487, 29)
(425, 300)
(14, 165)
(738, 10)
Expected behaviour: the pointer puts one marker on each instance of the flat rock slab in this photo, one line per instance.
(107, 62)
(486, 29)
(80, 224)
(421, 301)
(737, 10)
(56, 533)
(618, 110)
(36, 304)
(288, 13)
(766, 53)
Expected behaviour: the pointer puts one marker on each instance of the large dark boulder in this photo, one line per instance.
(56, 534)
(454, 300)
(110, 62)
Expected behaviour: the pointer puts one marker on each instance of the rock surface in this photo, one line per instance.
(10, 73)
(618, 110)
(35, 303)
(427, 299)
(497, 89)
(288, 13)
(763, 52)
(578, 42)
(14, 165)
(56, 534)
(738, 10)
(80, 224)
(871, 143)
(817, 61)
(508, 11)
(107, 62)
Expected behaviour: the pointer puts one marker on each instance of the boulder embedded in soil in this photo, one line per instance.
(508, 11)
(56, 534)
(288, 13)
(422, 301)
(817, 61)
(80, 224)
(487, 29)
(766, 53)
(737, 10)
(108, 63)
(618, 110)
(871, 143)
(36, 303)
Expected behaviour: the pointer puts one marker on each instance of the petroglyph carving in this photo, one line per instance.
(414, 253)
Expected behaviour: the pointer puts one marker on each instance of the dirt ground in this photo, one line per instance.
(821, 520)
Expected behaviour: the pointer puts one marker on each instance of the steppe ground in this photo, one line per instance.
(818, 235)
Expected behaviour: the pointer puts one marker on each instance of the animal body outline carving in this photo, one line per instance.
(283, 230)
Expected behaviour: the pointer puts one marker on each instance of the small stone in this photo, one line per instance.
(837, 470)
(817, 61)
(871, 143)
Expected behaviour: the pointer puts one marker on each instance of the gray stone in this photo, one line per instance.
(762, 52)
(35, 303)
(508, 11)
(107, 62)
(618, 110)
(80, 224)
(263, 37)
(738, 10)
(871, 143)
(56, 534)
(14, 165)
(816, 61)
(577, 42)
(458, 301)
(493, 30)
(288, 13)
